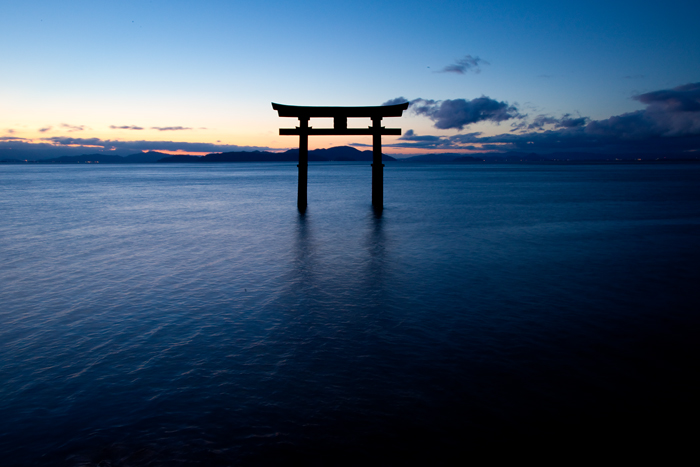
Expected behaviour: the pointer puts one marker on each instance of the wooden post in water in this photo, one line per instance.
(377, 165)
(303, 162)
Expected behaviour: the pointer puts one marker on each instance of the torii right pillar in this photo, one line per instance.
(377, 164)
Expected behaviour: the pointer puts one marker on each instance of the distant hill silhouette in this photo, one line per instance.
(150, 156)
(347, 153)
(339, 153)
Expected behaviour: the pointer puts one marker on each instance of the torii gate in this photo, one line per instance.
(340, 117)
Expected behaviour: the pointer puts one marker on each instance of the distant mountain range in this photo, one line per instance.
(349, 154)
(339, 153)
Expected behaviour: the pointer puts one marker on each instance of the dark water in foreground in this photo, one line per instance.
(188, 315)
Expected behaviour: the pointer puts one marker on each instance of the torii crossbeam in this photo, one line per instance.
(340, 117)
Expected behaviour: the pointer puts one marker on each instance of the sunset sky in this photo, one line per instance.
(199, 77)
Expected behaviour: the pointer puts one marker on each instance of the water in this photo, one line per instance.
(188, 315)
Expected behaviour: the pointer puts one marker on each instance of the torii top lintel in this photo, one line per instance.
(340, 117)
(379, 111)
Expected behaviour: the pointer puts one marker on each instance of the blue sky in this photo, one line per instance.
(205, 73)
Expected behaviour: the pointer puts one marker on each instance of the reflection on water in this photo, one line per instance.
(303, 253)
(375, 271)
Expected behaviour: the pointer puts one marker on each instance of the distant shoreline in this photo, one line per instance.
(493, 161)
(399, 161)
(350, 154)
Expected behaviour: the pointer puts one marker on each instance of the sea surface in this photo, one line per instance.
(183, 314)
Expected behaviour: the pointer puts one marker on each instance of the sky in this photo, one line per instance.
(199, 77)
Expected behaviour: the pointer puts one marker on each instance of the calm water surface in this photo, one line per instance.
(189, 315)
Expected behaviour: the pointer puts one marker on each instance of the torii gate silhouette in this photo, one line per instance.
(340, 117)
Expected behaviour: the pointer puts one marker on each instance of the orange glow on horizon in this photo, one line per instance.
(179, 152)
(267, 144)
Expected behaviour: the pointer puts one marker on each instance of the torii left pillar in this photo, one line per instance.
(303, 162)
(377, 164)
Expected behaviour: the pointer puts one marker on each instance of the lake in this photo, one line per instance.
(188, 314)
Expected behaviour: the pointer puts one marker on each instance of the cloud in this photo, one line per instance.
(412, 140)
(170, 128)
(568, 122)
(670, 123)
(127, 147)
(396, 101)
(537, 123)
(411, 136)
(72, 128)
(684, 98)
(540, 121)
(670, 113)
(11, 131)
(45, 129)
(464, 65)
(67, 140)
(11, 138)
(458, 113)
(159, 128)
(126, 127)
